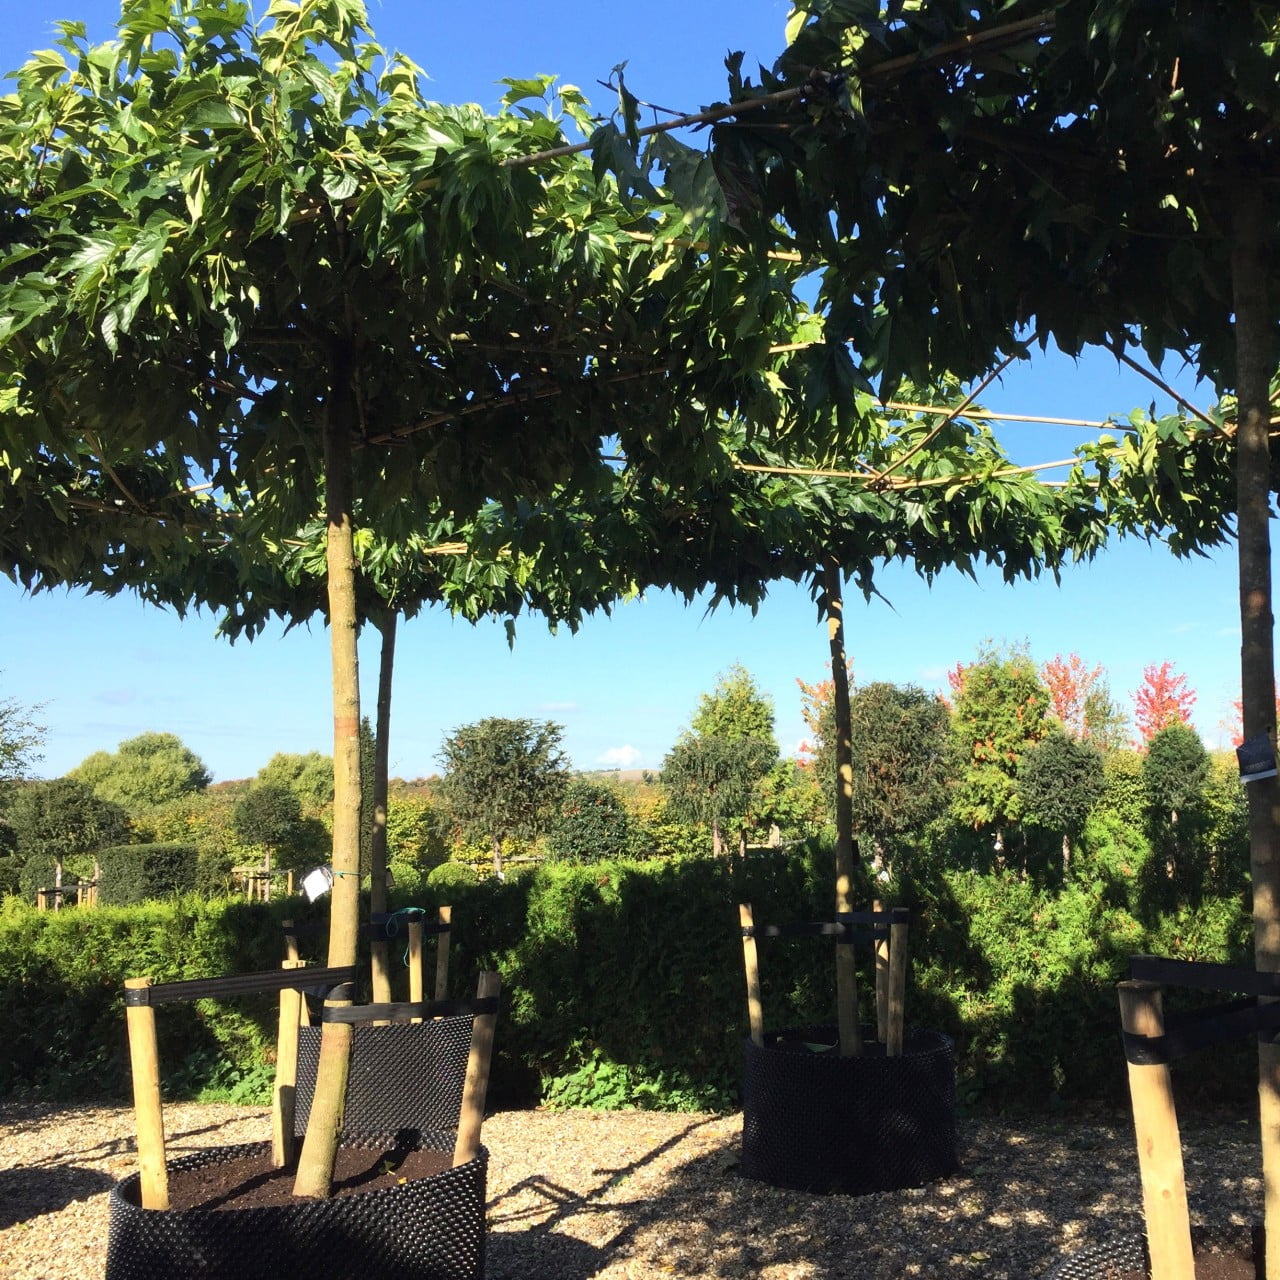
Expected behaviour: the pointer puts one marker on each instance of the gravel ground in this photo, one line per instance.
(575, 1195)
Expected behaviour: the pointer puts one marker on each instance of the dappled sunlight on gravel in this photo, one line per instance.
(629, 1195)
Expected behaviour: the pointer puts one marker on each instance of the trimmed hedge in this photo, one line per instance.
(135, 873)
(623, 981)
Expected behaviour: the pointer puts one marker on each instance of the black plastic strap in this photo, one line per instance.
(1204, 976)
(1189, 1032)
(845, 926)
(321, 981)
(405, 1011)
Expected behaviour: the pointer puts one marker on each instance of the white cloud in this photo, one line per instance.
(627, 757)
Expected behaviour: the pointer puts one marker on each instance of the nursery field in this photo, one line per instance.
(621, 1195)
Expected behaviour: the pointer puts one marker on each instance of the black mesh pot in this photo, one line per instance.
(1125, 1253)
(428, 1229)
(405, 1075)
(814, 1121)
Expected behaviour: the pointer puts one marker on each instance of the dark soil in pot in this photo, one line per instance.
(814, 1121)
(399, 1212)
(1224, 1257)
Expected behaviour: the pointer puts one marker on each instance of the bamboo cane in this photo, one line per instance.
(442, 955)
(882, 979)
(1155, 1122)
(415, 963)
(284, 1096)
(467, 1144)
(755, 1011)
(144, 1062)
(897, 983)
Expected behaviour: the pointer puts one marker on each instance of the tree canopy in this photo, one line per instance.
(147, 770)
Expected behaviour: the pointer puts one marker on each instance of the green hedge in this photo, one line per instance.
(623, 981)
(134, 873)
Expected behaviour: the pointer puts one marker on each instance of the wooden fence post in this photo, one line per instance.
(897, 983)
(144, 1060)
(285, 1094)
(467, 1144)
(750, 959)
(442, 955)
(1155, 1122)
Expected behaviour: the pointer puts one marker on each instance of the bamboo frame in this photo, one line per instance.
(1155, 1122)
(284, 1094)
(144, 1061)
(467, 1144)
(415, 963)
(751, 962)
(897, 992)
(882, 980)
(442, 954)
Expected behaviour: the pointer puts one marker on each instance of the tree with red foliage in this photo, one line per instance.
(1081, 701)
(1162, 699)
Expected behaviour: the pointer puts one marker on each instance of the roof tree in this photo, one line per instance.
(252, 258)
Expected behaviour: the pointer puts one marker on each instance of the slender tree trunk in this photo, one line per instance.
(386, 625)
(717, 838)
(846, 976)
(1254, 364)
(324, 1129)
(497, 857)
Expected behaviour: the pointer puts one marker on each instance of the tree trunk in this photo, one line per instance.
(324, 1129)
(1254, 363)
(381, 976)
(717, 838)
(846, 977)
(497, 857)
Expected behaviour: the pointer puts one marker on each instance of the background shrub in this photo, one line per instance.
(130, 873)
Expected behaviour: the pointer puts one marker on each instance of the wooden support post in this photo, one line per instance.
(144, 1061)
(291, 954)
(882, 978)
(415, 963)
(847, 1001)
(897, 983)
(442, 955)
(1155, 1122)
(42, 900)
(288, 883)
(284, 1097)
(755, 1010)
(467, 1145)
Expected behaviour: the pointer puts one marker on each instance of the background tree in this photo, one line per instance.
(1080, 699)
(269, 816)
(902, 753)
(21, 739)
(1161, 700)
(592, 823)
(712, 773)
(712, 781)
(60, 819)
(1060, 780)
(1175, 768)
(1000, 712)
(503, 778)
(143, 771)
(309, 777)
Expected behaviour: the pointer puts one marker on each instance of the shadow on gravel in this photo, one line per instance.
(26, 1193)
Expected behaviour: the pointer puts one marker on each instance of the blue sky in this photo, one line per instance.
(624, 686)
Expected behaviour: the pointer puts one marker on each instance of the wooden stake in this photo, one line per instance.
(284, 1098)
(755, 1011)
(897, 984)
(415, 963)
(291, 953)
(42, 900)
(442, 955)
(882, 979)
(467, 1145)
(1155, 1122)
(144, 1061)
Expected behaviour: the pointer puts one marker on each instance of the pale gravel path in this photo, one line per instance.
(585, 1195)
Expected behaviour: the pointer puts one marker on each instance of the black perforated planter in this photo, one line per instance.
(427, 1229)
(405, 1073)
(1128, 1253)
(814, 1121)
